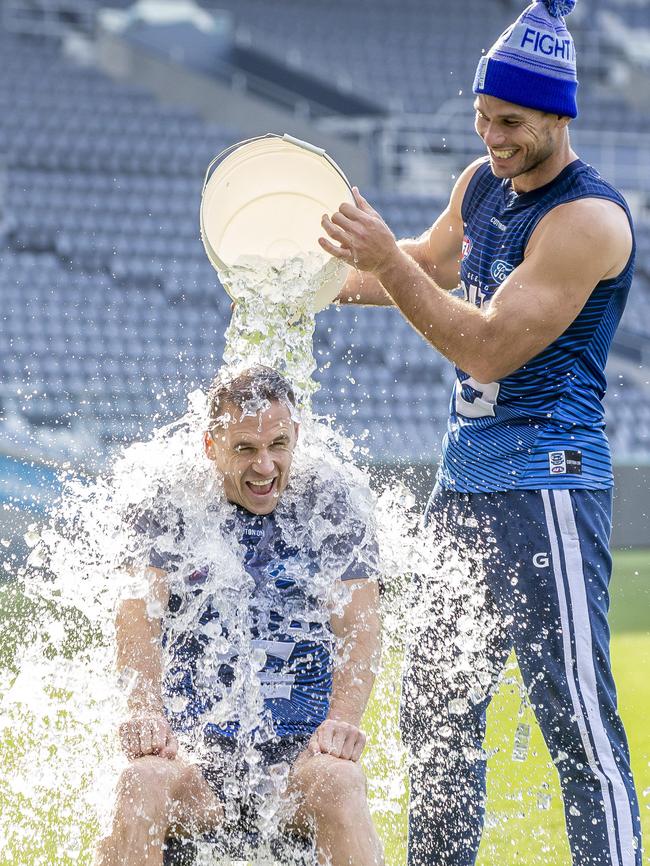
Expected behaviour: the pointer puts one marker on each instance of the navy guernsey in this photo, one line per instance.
(543, 425)
(284, 618)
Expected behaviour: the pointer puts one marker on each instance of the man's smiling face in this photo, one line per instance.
(519, 140)
(254, 455)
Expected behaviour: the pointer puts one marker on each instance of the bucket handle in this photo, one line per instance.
(319, 151)
(286, 137)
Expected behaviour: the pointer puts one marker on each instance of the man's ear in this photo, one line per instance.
(296, 427)
(208, 445)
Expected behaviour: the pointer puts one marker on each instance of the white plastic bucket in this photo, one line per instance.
(266, 197)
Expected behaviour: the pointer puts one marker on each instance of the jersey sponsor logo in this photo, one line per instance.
(495, 222)
(501, 269)
(565, 462)
(467, 246)
(541, 560)
(573, 462)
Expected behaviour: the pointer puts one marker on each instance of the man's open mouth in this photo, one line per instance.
(503, 153)
(262, 487)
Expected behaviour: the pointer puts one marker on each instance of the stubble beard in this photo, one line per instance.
(540, 155)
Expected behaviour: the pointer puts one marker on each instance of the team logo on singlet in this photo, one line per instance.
(565, 462)
(467, 246)
(501, 269)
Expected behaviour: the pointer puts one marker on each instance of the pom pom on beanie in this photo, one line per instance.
(559, 8)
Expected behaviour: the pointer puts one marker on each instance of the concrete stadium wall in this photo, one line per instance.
(631, 523)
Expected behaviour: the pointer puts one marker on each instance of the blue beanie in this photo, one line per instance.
(533, 62)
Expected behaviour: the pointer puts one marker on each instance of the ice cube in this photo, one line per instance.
(457, 707)
(258, 659)
(32, 536)
(521, 742)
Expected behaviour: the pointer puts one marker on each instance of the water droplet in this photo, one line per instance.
(154, 609)
(258, 659)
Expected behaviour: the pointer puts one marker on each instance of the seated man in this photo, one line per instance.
(314, 659)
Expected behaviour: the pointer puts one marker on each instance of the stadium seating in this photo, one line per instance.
(380, 48)
(111, 312)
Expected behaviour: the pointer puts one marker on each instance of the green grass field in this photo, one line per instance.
(517, 831)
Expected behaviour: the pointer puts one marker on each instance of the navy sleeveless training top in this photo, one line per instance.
(284, 617)
(543, 425)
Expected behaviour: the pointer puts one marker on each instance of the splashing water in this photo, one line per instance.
(62, 699)
(274, 318)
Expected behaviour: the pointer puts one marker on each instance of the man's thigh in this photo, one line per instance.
(550, 577)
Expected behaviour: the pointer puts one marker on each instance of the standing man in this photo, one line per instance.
(543, 249)
(317, 670)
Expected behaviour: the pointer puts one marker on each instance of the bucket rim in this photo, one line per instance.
(213, 257)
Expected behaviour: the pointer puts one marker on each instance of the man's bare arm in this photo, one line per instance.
(138, 634)
(365, 289)
(359, 631)
(576, 245)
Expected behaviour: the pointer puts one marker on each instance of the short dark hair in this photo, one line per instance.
(247, 388)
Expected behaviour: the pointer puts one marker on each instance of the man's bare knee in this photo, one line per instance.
(147, 781)
(332, 786)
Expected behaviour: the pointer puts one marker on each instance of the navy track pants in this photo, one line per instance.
(544, 569)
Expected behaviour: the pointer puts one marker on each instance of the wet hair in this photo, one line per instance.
(251, 390)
